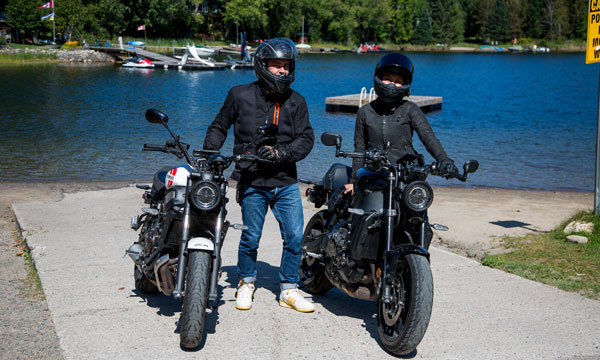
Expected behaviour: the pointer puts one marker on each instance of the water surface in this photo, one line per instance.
(529, 119)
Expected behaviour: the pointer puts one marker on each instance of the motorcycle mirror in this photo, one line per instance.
(156, 117)
(331, 139)
(470, 166)
(268, 130)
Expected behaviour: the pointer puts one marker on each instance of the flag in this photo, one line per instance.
(48, 17)
(48, 5)
(141, 27)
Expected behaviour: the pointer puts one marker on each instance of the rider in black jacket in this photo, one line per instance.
(268, 101)
(391, 118)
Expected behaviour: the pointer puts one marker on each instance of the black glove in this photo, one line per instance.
(267, 153)
(447, 167)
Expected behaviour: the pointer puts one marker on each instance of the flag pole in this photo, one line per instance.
(53, 27)
(145, 38)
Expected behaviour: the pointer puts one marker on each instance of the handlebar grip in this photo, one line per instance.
(151, 147)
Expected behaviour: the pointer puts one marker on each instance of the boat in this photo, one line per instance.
(136, 62)
(135, 43)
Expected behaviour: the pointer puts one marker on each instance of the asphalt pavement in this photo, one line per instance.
(78, 246)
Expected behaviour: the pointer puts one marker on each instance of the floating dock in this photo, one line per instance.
(351, 103)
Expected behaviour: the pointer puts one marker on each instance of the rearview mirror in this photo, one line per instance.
(470, 166)
(331, 139)
(156, 117)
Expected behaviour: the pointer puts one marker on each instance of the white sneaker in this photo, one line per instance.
(291, 298)
(243, 299)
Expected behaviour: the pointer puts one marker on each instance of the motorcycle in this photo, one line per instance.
(178, 251)
(373, 244)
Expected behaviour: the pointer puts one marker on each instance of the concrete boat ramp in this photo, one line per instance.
(78, 244)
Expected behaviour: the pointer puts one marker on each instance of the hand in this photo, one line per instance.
(349, 188)
(447, 166)
(267, 153)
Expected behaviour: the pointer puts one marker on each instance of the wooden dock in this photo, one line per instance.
(350, 103)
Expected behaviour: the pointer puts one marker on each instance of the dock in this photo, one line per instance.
(350, 103)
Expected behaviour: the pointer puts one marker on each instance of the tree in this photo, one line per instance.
(372, 16)
(532, 25)
(447, 21)
(343, 21)
(24, 16)
(554, 18)
(423, 32)
(516, 16)
(497, 24)
(578, 19)
(402, 20)
(247, 15)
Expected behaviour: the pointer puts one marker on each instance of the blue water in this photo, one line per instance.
(530, 120)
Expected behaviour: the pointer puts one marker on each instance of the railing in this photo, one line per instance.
(363, 95)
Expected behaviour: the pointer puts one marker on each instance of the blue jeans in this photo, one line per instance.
(286, 205)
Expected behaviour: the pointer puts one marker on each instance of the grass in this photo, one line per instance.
(549, 259)
(21, 58)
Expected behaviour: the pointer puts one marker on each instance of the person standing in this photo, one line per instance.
(260, 186)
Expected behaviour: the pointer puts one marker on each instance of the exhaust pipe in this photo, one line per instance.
(163, 275)
(361, 292)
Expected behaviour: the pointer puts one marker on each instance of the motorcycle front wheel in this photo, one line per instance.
(312, 272)
(196, 297)
(402, 324)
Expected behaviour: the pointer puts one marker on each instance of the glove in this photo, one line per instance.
(267, 153)
(447, 167)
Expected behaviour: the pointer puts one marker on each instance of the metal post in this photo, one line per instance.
(53, 27)
(597, 187)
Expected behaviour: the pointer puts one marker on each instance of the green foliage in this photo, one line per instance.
(24, 16)
(423, 32)
(447, 21)
(497, 24)
(549, 259)
(349, 22)
(403, 20)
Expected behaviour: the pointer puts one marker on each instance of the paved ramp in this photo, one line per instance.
(479, 313)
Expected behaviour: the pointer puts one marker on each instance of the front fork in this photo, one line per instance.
(390, 257)
(185, 237)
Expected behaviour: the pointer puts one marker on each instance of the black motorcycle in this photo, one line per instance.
(178, 251)
(373, 244)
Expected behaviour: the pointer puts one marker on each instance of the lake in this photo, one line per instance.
(530, 119)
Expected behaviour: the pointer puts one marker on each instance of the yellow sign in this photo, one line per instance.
(592, 54)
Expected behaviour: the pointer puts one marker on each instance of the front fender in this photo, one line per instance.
(405, 249)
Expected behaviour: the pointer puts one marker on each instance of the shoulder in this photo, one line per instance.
(242, 88)
(297, 98)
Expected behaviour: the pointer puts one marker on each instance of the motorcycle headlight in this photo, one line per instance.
(418, 196)
(205, 195)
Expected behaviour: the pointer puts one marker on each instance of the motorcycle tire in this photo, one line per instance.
(312, 272)
(142, 282)
(401, 328)
(196, 298)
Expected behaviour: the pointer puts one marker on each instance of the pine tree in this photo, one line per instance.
(532, 26)
(497, 24)
(447, 20)
(423, 33)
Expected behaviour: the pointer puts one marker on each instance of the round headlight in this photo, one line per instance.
(418, 196)
(205, 195)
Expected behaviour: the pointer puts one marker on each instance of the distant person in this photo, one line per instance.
(391, 118)
(260, 186)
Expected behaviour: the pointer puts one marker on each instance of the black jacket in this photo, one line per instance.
(246, 108)
(378, 122)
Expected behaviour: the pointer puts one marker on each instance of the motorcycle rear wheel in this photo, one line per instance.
(196, 298)
(401, 328)
(142, 282)
(312, 272)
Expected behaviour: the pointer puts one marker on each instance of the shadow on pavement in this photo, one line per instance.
(509, 224)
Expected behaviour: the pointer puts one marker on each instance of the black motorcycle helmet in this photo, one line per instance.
(398, 64)
(278, 48)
